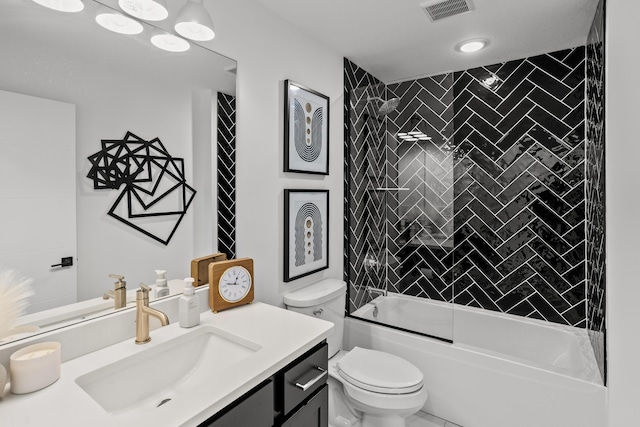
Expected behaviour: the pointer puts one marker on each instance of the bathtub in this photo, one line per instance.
(501, 370)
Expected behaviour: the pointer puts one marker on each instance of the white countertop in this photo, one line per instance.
(283, 336)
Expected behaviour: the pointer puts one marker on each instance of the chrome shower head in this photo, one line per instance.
(387, 106)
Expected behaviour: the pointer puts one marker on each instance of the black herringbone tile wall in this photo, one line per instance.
(595, 189)
(519, 187)
(227, 174)
(502, 177)
(364, 171)
(420, 218)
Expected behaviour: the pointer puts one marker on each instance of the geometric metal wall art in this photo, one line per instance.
(154, 194)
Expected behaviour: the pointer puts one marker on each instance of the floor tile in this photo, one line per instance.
(422, 419)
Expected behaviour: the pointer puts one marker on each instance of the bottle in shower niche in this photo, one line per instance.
(188, 306)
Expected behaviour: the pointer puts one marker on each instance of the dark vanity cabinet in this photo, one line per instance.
(296, 396)
(303, 401)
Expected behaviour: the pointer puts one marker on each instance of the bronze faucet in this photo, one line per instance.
(143, 311)
(119, 292)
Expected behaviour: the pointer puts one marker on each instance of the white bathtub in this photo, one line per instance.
(411, 313)
(501, 370)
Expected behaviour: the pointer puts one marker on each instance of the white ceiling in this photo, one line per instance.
(395, 39)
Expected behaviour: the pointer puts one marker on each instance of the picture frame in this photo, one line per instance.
(306, 130)
(306, 232)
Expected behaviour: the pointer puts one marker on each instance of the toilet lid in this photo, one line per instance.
(379, 372)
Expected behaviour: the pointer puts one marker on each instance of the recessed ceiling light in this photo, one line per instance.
(469, 46)
(118, 23)
(170, 43)
(62, 5)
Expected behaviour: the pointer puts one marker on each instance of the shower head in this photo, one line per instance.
(387, 106)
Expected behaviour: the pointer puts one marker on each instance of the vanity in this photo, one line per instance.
(255, 365)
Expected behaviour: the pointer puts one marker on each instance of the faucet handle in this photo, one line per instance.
(144, 288)
(120, 283)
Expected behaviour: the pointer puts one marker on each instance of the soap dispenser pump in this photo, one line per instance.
(189, 312)
(162, 289)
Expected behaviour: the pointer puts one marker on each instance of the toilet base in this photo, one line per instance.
(374, 420)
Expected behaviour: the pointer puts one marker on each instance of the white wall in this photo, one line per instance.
(38, 195)
(269, 51)
(623, 211)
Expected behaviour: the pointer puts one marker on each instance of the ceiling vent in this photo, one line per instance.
(437, 9)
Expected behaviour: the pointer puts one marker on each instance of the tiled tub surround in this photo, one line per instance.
(494, 214)
(595, 188)
(519, 196)
(500, 187)
(364, 167)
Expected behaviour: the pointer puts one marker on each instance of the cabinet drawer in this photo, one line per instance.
(314, 414)
(255, 410)
(306, 376)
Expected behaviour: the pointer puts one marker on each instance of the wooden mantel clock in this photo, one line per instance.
(230, 283)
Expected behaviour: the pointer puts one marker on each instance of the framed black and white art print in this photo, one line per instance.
(306, 130)
(306, 232)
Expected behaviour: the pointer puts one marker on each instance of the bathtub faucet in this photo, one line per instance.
(371, 290)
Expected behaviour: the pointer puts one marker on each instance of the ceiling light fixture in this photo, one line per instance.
(170, 43)
(469, 46)
(62, 5)
(194, 22)
(118, 23)
(149, 10)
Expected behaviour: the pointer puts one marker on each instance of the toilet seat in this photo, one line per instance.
(379, 372)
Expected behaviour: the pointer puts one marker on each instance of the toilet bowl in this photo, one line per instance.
(383, 389)
(367, 388)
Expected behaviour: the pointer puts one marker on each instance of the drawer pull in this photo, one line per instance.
(314, 380)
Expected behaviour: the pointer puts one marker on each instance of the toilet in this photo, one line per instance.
(367, 388)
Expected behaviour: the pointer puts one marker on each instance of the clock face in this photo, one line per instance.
(234, 284)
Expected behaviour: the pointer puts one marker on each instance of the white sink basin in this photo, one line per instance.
(135, 385)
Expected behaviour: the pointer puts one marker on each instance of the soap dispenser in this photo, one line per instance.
(189, 312)
(162, 289)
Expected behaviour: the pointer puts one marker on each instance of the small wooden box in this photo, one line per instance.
(200, 268)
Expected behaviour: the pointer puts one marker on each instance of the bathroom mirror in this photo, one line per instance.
(67, 80)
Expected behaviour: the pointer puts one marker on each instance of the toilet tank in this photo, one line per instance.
(326, 300)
